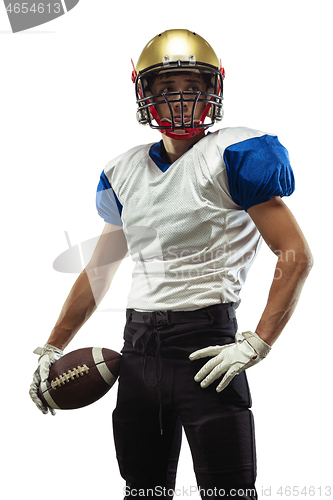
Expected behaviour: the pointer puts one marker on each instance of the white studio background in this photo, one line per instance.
(67, 107)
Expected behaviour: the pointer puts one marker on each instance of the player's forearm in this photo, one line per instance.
(80, 304)
(291, 272)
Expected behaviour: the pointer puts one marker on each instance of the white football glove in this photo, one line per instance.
(48, 355)
(230, 359)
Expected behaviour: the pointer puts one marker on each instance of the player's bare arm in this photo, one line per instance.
(91, 286)
(83, 299)
(283, 235)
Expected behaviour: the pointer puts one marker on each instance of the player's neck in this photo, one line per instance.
(175, 148)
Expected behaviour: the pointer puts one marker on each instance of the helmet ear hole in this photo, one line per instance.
(142, 116)
(219, 113)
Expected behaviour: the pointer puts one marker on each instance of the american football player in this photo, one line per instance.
(192, 210)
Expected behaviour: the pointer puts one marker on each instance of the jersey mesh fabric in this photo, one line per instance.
(191, 242)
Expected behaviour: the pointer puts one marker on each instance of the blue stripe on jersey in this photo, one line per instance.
(107, 203)
(258, 169)
(155, 155)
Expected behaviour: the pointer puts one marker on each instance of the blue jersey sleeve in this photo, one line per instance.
(107, 203)
(258, 169)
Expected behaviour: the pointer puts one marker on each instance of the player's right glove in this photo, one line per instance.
(48, 355)
(230, 359)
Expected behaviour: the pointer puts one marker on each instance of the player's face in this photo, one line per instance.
(177, 83)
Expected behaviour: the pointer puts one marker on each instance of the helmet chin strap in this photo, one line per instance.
(182, 134)
(178, 133)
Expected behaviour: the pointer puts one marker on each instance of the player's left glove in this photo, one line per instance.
(230, 359)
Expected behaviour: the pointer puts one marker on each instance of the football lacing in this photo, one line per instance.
(78, 372)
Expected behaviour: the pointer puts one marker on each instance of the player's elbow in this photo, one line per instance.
(306, 262)
(304, 258)
(300, 257)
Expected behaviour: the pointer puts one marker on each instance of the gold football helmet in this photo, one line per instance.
(178, 51)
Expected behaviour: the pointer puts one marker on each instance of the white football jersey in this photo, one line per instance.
(186, 223)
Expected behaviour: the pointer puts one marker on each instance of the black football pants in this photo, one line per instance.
(157, 396)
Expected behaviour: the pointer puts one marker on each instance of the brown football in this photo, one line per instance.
(80, 378)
